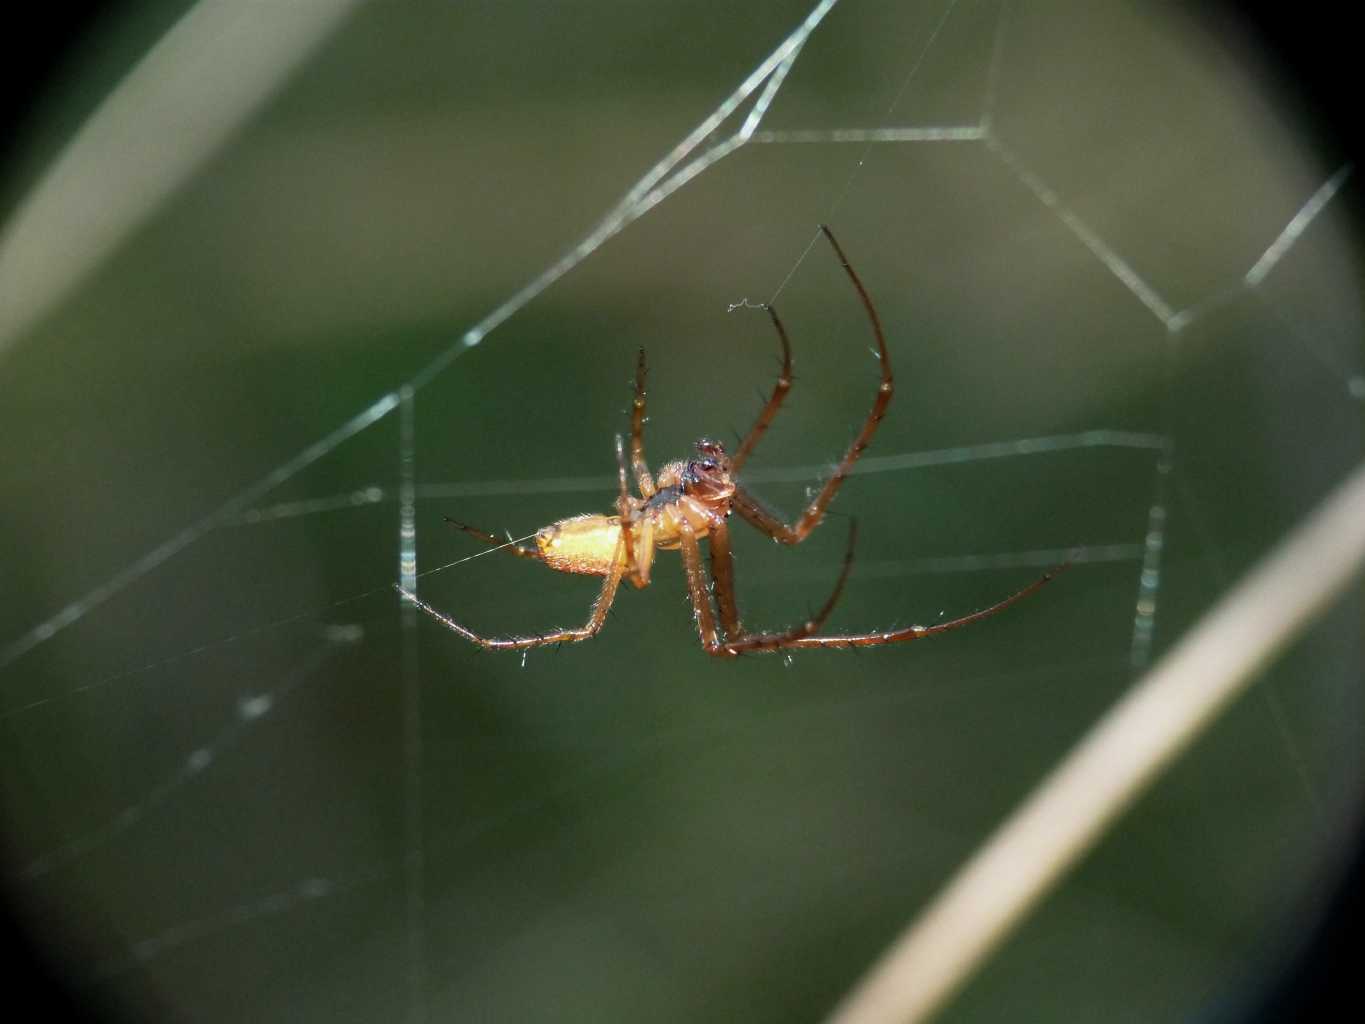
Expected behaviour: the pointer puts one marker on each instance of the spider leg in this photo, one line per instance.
(519, 550)
(748, 507)
(637, 532)
(696, 589)
(740, 642)
(643, 479)
(591, 628)
(895, 636)
(780, 389)
(623, 502)
(723, 578)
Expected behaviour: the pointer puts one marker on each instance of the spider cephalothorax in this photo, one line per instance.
(690, 501)
(707, 477)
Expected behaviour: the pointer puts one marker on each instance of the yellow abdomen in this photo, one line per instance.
(589, 544)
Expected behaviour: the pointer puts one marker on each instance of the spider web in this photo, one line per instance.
(1124, 313)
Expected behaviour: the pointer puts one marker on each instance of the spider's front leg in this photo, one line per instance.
(749, 507)
(736, 641)
(774, 403)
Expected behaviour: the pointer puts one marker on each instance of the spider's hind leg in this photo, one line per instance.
(596, 619)
(520, 550)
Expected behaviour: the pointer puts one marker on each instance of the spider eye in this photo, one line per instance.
(708, 463)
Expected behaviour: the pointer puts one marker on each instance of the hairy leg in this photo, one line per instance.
(519, 550)
(749, 507)
(643, 479)
(739, 642)
(591, 628)
(780, 389)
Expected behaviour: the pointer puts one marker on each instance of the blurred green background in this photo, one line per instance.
(334, 816)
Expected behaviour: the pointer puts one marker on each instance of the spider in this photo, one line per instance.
(691, 500)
